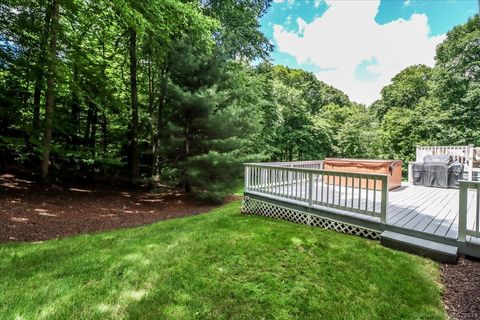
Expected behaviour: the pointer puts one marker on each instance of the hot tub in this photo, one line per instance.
(391, 167)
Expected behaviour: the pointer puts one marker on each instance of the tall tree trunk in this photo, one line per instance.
(104, 124)
(37, 93)
(93, 132)
(86, 135)
(75, 108)
(39, 71)
(92, 139)
(134, 158)
(50, 93)
(104, 128)
(104, 133)
(161, 106)
(186, 184)
(150, 110)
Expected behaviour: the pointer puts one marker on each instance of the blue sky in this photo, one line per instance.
(359, 45)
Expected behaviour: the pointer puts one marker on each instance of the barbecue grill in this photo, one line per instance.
(437, 171)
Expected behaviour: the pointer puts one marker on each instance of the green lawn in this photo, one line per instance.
(219, 265)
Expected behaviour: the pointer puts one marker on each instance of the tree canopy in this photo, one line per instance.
(182, 92)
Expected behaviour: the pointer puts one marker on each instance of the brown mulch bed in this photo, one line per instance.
(462, 289)
(32, 212)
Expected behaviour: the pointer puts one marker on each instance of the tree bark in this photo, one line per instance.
(75, 108)
(92, 140)
(151, 110)
(50, 93)
(39, 72)
(134, 158)
(86, 135)
(104, 133)
(186, 184)
(161, 106)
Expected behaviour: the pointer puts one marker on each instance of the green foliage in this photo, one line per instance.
(456, 87)
(218, 265)
(213, 104)
(405, 91)
(439, 106)
(240, 36)
(202, 108)
(399, 135)
(93, 127)
(293, 125)
(212, 175)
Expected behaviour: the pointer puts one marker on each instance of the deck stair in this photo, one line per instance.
(432, 249)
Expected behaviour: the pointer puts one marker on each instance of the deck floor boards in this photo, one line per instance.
(426, 209)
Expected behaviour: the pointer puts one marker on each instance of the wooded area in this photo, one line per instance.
(182, 92)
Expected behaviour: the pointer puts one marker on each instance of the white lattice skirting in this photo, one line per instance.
(258, 207)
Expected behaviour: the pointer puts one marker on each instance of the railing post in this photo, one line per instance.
(246, 178)
(310, 189)
(384, 204)
(462, 211)
(410, 172)
(470, 162)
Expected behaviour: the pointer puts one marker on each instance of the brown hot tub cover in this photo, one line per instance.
(393, 168)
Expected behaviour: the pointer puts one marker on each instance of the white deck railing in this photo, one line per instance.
(311, 164)
(360, 193)
(469, 200)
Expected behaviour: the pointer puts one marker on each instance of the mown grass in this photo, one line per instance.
(219, 265)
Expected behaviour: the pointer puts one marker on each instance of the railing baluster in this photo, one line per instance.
(333, 189)
(259, 179)
(384, 205)
(366, 196)
(305, 176)
(477, 212)
(339, 189)
(274, 181)
(323, 182)
(291, 184)
(359, 192)
(277, 182)
(310, 189)
(328, 189)
(264, 178)
(462, 211)
(353, 190)
(296, 185)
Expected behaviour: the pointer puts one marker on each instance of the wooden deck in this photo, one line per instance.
(430, 220)
(423, 209)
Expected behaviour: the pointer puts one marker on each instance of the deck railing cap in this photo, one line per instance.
(329, 172)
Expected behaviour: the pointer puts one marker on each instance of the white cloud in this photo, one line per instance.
(407, 3)
(301, 25)
(317, 3)
(347, 34)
